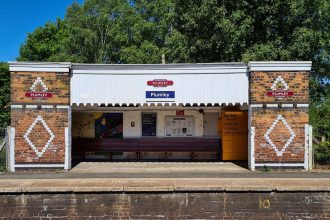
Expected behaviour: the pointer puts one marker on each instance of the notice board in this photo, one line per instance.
(179, 126)
(234, 133)
(149, 124)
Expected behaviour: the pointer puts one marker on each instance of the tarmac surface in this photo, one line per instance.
(162, 177)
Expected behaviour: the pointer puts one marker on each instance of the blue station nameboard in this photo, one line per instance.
(160, 94)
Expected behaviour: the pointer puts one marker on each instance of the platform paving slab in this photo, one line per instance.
(157, 167)
(161, 185)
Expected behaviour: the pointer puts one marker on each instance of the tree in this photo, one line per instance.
(4, 95)
(103, 31)
(45, 43)
(227, 31)
(140, 31)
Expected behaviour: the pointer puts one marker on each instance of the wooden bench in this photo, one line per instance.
(138, 145)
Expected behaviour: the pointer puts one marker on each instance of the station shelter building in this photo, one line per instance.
(63, 113)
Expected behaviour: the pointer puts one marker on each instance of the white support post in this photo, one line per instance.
(251, 130)
(69, 137)
(252, 163)
(7, 148)
(310, 144)
(66, 159)
(12, 150)
(306, 147)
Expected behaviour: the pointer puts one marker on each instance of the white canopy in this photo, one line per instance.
(169, 84)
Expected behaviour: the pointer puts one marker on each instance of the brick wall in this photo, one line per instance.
(263, 120)
(262, 82)
(55, 119)
(279, 113)
(190, 205)
(56, 83)
(40, 122)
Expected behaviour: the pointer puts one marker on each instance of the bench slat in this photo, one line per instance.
(81, 145)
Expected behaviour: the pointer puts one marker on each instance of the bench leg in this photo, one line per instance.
(192, 155)
(138, 156)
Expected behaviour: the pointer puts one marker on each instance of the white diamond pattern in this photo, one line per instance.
(28, 132)
(277, 80)
(36, 82)
(279, 153)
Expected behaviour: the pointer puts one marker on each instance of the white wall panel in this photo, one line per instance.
(131, 88)
(128, 130)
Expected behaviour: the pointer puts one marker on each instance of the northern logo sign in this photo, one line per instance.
(38, 90)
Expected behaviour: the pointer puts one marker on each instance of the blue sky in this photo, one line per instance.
(20, 17)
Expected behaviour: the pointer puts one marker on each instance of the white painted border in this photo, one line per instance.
(275, 105)
(287, 105)
(256, 105)
(63, 67)
(280, 66)
(16, 106)
(31, 106)
(167, 71)
(280, 164)
(310, 150)
(154, 69)
(39, 165)
(38, 69)
(47, 106)
(63, 106)
(272, 105)
(303, 105)
(306, 147)
(12, 149)
(66, 157)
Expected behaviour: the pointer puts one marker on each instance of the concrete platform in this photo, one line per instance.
(161, 185)
(158, 167)
(161, 177)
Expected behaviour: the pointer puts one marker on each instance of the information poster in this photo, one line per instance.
(149, 124)
(179, 126)
(109, 125)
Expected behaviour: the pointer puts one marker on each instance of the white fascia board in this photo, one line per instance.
(280, 164)
(154, 69)
(40, 165)
(280, 66)
(39, 67)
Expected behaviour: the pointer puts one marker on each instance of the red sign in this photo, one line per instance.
(39, 95)
(160, 83)
(280, 93)
(179, 112)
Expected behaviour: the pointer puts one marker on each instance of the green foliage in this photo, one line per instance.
(2, 160)
(45, 43)
(322, 153)
(4, 95)
(140, 31)
(320, 118)
(265, 169)
(103, 31)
